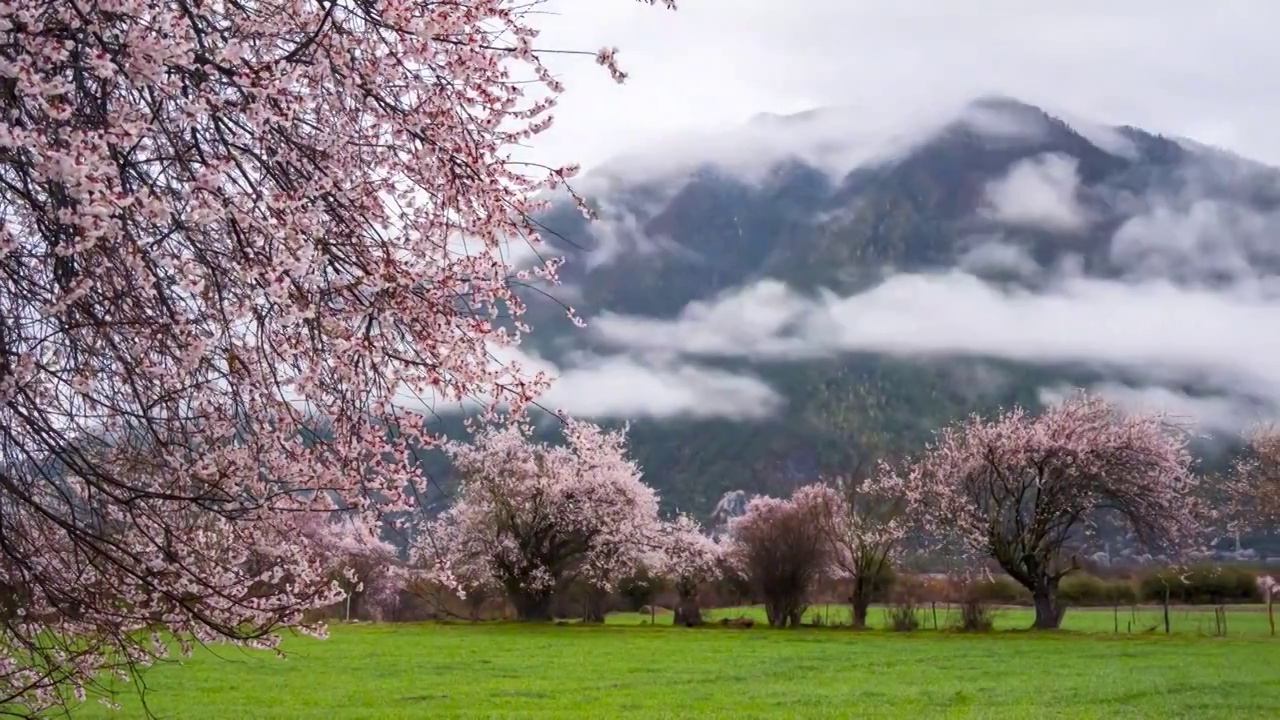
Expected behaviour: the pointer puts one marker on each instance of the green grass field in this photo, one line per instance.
(625, 669)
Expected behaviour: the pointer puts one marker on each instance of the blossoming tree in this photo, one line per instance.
(364, 565)
(782, 549)
(221, 220)
(1027, 489)
(865, 520)
(1253, 484)
(688, 557)
(535, 517)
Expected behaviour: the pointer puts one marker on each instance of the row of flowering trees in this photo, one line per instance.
(1024, 491)
(1028, 492)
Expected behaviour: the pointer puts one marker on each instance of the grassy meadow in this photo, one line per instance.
(629, 669)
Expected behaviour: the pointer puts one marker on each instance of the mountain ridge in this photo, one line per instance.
(1078, 207)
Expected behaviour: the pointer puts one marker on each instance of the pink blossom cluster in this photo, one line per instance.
(761, 511)
(867, 522)
(781, 548)
(858, 524)
(530, 516)
(224, 221)
(1268, 586)
(74, 614)
(686, 555)
(806, 505)
(352, 551)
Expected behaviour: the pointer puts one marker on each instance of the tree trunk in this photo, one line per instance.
(475, 603)
(532, 606)
(1166, 608)
(1048, 611)
(795, 617)
(775, 615)
(688, 613)
(860, 615)
(357, 607)
(860, 600)
(593, 601)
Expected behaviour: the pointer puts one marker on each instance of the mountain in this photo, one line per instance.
(792, 298)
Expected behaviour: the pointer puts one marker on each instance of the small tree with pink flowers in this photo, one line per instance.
(865, 521)
(781, 547)
(452, 559)
(1252, 499)
(1028, 489)
(534, 517)
(687, 557)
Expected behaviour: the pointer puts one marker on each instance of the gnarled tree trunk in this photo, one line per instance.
(860, 601)
(860, 609)
(776, 614)
(1039, 574)
(593, 604)
(1049, 610)
(531, 606)
(688, 613)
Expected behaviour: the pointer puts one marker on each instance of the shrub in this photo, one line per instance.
(976, 615)
(997, 589)
(974, 596)
(904, 615)
(1201, 585)
(904, 609)
(1085, 589)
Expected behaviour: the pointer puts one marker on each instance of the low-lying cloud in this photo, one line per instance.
(1039, 192)
(1189, 238)
(1191, 299)
(835, 140)
(995, 256)
(1170, 333)
(622, 387)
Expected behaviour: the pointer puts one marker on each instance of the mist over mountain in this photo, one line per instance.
(789, 297)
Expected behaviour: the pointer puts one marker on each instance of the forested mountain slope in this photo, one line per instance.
(762, 318)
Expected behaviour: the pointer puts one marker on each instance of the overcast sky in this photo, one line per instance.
(1206, 70)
